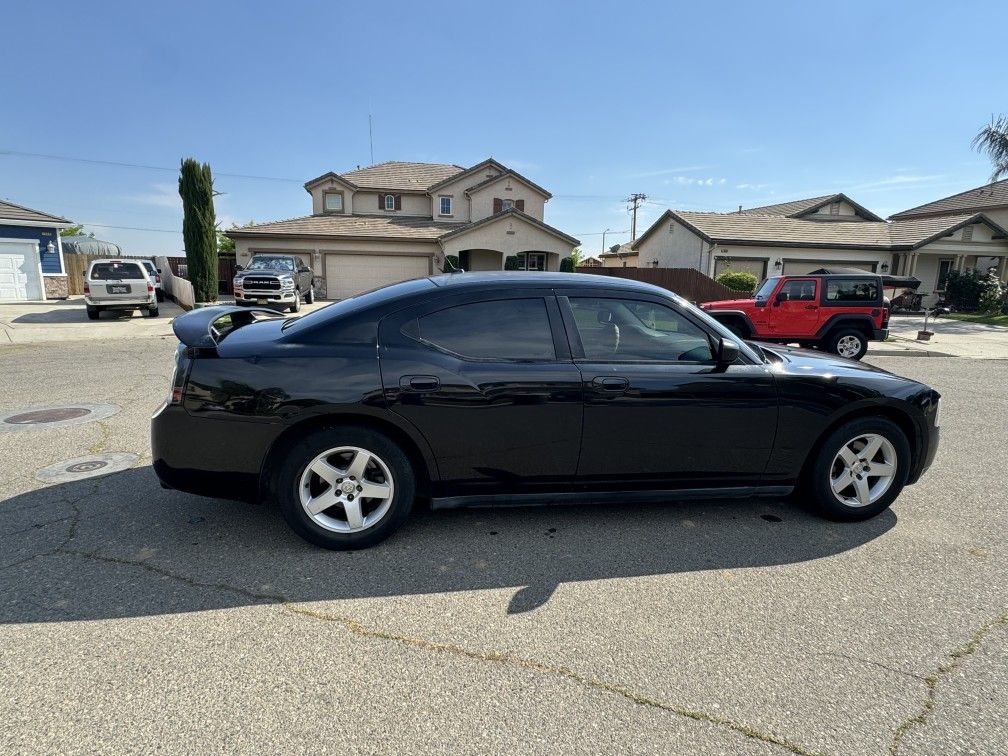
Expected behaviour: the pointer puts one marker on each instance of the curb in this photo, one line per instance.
(906, 353)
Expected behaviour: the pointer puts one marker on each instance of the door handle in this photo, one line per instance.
(419, 383)
(610, 383)
(811, 307)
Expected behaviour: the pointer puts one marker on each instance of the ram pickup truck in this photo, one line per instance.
(838, 313)
(276, 281)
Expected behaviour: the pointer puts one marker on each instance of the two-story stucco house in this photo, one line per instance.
(31, 254)
(394, 221)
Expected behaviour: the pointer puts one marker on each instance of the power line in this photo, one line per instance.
(121, 164)
(130, 228)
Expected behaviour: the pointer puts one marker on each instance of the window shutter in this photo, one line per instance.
(520, 205)
(498, 205)
(398, 202)
(381, 201)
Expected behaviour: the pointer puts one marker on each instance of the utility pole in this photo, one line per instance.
(634, 201)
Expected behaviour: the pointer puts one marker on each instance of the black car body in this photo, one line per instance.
(520, 388)
(275, 281)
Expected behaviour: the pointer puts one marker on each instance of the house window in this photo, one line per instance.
(390, 202)
(532, 261)
(446, 206)
(334, 202)
(507, 204)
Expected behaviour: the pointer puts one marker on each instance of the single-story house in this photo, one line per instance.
(801, 236)
(398, 220)
(31, 255)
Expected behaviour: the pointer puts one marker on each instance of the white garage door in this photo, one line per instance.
(20, 279)
(803, 267)
(347, 275)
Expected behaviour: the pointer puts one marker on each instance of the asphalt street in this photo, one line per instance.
(137, 619)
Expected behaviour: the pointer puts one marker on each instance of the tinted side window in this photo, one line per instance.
(851, 291)
(508, 329)
(638, 331)
(802, 290)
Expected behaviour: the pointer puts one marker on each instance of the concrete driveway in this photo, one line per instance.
(66, 320)
(133, 618)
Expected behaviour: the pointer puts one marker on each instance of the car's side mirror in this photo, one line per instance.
(304, 269)
(782, 297)
(727, 352)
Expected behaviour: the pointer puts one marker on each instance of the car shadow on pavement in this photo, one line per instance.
(120, 546)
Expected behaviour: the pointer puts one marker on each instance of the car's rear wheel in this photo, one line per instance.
(860, 469)
(309, 296)
(344, 487)
(93, 312)
(297, 301)
(848, 343)
(152, 311)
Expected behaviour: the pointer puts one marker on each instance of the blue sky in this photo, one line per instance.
(702, 106)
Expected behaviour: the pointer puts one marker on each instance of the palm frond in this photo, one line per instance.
(993, 140)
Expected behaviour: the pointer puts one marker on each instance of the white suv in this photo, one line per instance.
(155, 276)
(118, 285)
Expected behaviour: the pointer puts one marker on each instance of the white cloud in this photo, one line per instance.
(692, 181)
(162, 195)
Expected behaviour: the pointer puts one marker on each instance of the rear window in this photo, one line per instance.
(116, 271)
(851, 290)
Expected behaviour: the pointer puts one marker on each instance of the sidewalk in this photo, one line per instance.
(951, 338)
(66, 320)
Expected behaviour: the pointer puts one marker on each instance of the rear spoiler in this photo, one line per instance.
(206, 326)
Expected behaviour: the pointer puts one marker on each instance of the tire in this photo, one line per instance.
(152, 312)
(296, 307)
(828, 470)
(808, 344)
(737, 330)
(842, 342)
(93, 313)
(309, 296)
(332, 528)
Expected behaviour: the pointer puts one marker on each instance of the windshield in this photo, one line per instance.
(116, 271)
(282, 264)
(767, 287)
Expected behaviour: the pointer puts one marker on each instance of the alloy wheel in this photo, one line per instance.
(849, 346)
(346, 489)
(863, 470)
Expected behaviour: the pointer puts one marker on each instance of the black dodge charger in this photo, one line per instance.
(516, 388)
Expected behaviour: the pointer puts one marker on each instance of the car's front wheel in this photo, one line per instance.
(860, 469)
(297, 301)
(309, 296)
(848, 343)
(344, 487)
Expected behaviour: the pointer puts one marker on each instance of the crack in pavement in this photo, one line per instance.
(356, 628)
(956, 658)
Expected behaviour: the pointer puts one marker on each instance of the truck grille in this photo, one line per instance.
(261, 284)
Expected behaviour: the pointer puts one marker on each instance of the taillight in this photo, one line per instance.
(176, 395)
(157, 278)
(885, 317)
(150, 288)
(87, 288)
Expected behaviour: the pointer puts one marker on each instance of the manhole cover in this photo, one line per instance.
(40, 418)
(86, 467)
(47, 415)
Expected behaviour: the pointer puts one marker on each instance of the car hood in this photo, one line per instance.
(276, 273)
(728, 304)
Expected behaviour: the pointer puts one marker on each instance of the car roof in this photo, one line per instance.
(536, 279)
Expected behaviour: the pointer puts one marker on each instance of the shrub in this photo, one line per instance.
(992, 295)
(451, 263)
(511, 263)
(566, 265)
(963, 289)
(738, 280)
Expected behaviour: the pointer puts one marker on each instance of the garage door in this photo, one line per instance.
(20, 279)
(347, 275)
(803, 267)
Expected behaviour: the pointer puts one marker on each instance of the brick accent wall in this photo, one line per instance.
(56, 287)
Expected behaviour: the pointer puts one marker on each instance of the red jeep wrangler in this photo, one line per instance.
(839, 313)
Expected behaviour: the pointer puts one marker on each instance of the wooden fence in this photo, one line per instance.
(686, 282)
(226, 269)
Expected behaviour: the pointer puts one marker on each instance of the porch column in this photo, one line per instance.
(913, 263)
(960, 262)
(1002, 268)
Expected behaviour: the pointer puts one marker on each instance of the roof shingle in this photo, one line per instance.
(404, 176)
(10, 211)
(972, 200)
(364, 226)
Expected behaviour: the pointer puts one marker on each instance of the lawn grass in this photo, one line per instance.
(998, 320)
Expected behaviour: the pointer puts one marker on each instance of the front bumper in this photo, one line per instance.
(249, 298)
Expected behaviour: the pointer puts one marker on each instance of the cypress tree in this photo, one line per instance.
(199, 228)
